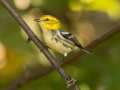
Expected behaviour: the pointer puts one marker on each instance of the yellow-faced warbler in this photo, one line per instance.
(56, 38)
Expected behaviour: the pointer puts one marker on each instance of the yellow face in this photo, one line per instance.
(49, 22)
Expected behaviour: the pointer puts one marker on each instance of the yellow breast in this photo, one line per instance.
(57, 45)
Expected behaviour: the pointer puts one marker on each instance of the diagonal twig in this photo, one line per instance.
(70, 81)
(29, 76)
(20, 81)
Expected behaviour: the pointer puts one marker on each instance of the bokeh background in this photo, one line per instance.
(86, 19)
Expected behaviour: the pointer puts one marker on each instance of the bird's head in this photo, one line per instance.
(49, 22)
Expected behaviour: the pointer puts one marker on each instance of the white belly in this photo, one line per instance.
(57, 45)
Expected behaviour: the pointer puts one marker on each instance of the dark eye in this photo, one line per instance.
(47, 19)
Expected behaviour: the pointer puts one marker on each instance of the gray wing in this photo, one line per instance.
(70, 37)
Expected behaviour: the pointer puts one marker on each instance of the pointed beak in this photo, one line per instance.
(37, 20)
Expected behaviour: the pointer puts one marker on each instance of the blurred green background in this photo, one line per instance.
(87, 19)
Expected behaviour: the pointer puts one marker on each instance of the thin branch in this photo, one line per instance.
(70, 82)
(29, 76)
(113, 30)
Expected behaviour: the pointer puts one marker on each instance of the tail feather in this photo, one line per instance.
(86, 51)
(83, 49)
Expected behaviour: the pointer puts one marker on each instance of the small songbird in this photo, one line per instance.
(56, 38)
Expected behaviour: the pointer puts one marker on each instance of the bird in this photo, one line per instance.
(56, 38)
